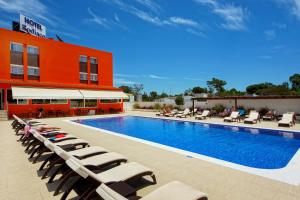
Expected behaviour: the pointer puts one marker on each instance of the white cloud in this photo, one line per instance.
(158, 77)
(150, 4)
(292, 5)
(125, 75)
(31, 8)
(234, 17)
(270, 34)
(155, 19)
(117, 18)
(123, 81)
(98, 20)
(184, 21)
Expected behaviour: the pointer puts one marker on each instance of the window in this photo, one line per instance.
(83, 59)
(59, 101)
(49, 101)
(16, 47)
(40, 101)
(77, 103)
(33, 50)
(10, 99)
(83, 69)
(16, 59)
(33, 62)
(90, 103)
(94, 69)
(110, 100)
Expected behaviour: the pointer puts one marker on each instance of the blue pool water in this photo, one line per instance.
(259, 148)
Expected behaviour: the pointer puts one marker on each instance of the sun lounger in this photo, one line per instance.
(287, 120)
(172, 113)
(204, 114)
(60, 156)
(270, 115)
(233, 117)
(253, 118)
(174, 190)
(121, 173)
(185, 113)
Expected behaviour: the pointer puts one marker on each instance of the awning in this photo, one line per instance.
(103, 94)
(45, 93)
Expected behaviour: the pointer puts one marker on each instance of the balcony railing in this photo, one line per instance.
(33, 71)
(94, 77)
(17, 69)
(83, 76)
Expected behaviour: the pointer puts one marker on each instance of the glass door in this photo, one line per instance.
(1, 99)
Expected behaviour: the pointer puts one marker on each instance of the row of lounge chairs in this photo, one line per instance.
(96, 173)
(288, 119)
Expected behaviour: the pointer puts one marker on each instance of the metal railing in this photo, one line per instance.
(17, 69)
(94, 77)
(83, 76)
(33, 71)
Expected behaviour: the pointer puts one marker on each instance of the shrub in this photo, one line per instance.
(219, 108)
(136, 106)
(157, 106)
(263, 111)
(179, 100)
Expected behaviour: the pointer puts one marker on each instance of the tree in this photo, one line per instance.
(145, 97)
(255, 88)
(137, 89)
(163, 95)
(188, 92)
(126, 89)
(179, 100)
(153, 95)
(216, 85)
(232, 92)
(198, 90)
(295, 81)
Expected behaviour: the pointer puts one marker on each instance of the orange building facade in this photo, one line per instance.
(28, 61)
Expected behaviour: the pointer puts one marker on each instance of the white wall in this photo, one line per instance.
(280, 105)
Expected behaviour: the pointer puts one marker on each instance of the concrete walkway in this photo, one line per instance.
(19, 179)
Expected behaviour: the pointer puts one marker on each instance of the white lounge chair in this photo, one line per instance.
(233, 117)
(185, 113)
(121, 173)
(253, 118)
(287, 120)
(204, 114)
(174, 190)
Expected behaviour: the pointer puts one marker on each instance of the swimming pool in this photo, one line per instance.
(256, 148)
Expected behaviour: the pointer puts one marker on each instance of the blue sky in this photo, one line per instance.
(170, 45)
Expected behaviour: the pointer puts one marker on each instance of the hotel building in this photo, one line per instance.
(59, 78)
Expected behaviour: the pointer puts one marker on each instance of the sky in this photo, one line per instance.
(174, 45)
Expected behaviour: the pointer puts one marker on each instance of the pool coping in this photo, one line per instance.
(289, 174)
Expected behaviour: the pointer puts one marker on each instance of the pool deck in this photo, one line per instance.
(20, 180)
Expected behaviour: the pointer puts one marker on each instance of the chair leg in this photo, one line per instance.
(51, 165)
(35, 151)
(43, 150)
(88, 194)
(52, 156)
(63, 181)
(56, 172)
(69, 189)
